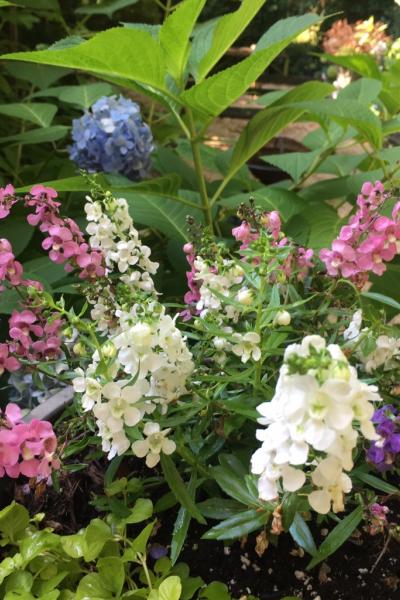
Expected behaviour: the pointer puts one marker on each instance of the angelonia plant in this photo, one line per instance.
(269, 331)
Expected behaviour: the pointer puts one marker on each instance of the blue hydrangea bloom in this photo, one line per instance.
(112, 137)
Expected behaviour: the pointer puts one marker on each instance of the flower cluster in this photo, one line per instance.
(385, 450)
(26, 448)
(147, 358)
(112, 137)
(64, 240)
(361, 37)
(385, 349)
(311, 422)
(367, 241)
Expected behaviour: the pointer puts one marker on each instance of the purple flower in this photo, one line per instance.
(384, 452)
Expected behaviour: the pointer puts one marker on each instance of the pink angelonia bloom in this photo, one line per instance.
(243, 234)
(7, 362)
(41, 191)
(22, 325)
(274, 224)
(91, 264)
(60, 243)
(13, 414)
(340, 260)
(7, 200)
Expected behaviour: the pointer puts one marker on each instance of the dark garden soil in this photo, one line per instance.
(358, 570)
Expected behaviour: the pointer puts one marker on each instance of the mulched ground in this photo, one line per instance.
(349, 574)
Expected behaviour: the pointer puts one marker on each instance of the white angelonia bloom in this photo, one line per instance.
(145, 362)
(387, 348)
(156, 441)
(317, 413)
(212, 282)
(352, 333)
(246, 345)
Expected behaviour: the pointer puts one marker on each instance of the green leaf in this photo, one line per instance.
(43, 269)
(17, 231)
(363, 64)
(237, 526)
(9, 301)
(40, 114)
(14, 519)
(293, 163)
(323, 221)
(179, 489)
(142, 510)
(97, 533)
(302, 535)
(175, 35)
(138, 545)
(337, 536)
(215, 591)
(81, 95)
(108, 8)
(170, 588)
(213, 95)
(112, 53)
(259, 131)
(269, 198)
(73, 545)
(365, 89)
(376, 482)
(225, 32)
(219, 508)
(91, 587)
(231, 480)
(160, 213)
(182, 522)
(348, 113)
(37, 136)
(112, 573)
(40, 76)
(4, 3)
(382, 299)
(310, 90)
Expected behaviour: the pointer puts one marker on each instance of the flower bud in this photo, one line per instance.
(108, 350)
(245, 296)
(283, 318)
(79, 349)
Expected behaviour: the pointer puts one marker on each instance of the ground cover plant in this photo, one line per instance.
(262, 399)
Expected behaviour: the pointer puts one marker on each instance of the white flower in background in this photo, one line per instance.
(283, 318)
(311, 413)
(387, 348)
(245, 296)
(352, 333)
(156, 441)
(221, 283)
(246, 345)
(88, 386)
(333, 484)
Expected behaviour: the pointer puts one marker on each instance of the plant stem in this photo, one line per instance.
(257, 328)
(198, 165)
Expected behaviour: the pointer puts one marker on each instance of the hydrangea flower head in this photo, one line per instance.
(112, 137)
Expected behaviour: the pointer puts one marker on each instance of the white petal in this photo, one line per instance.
(320, 501)
(267, 489)
(132, 416)
(151, 428)
(140, 448)
(152, 460)
(168, 446)
(292, 479)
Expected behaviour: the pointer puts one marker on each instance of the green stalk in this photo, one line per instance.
(198, 165)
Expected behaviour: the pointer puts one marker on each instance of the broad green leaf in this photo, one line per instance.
(348, 113)
(259, 131)
(40, 114)
(9, 301)
(40, 76)
(81, 95)
(73, 545)
(337, 536)
(182, 522)
(338, 187)
(108, 8)
(168, 216)
(43, 269)
(323, 221)
(112, 573)
(166, 185)
(19, 581)
(300, 532)
(213, 95)
(382, 299)
(376, 482)
(138, 545)
(216, 590)
(37, 136)
(310, 90)
(293, 163)
(237, 526)
(170, 588)
(175, 35)
(4, 3)
(112, 53)
(97, 533)
(152, 29)
(179, 489)
(365, 89)
(91, 587)
(18, 232)
(226, 31)
(14, 519)
(340, 164)
(142, 510)
(363, 64)
(233, 485)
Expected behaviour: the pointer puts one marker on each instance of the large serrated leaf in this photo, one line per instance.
(214, 94)
(81, 95)
(117, 53)
(225, 32)
(35, 112)
(108, 8)
(293, 163)
(175, 35)
(37, 136)
(363, 64)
